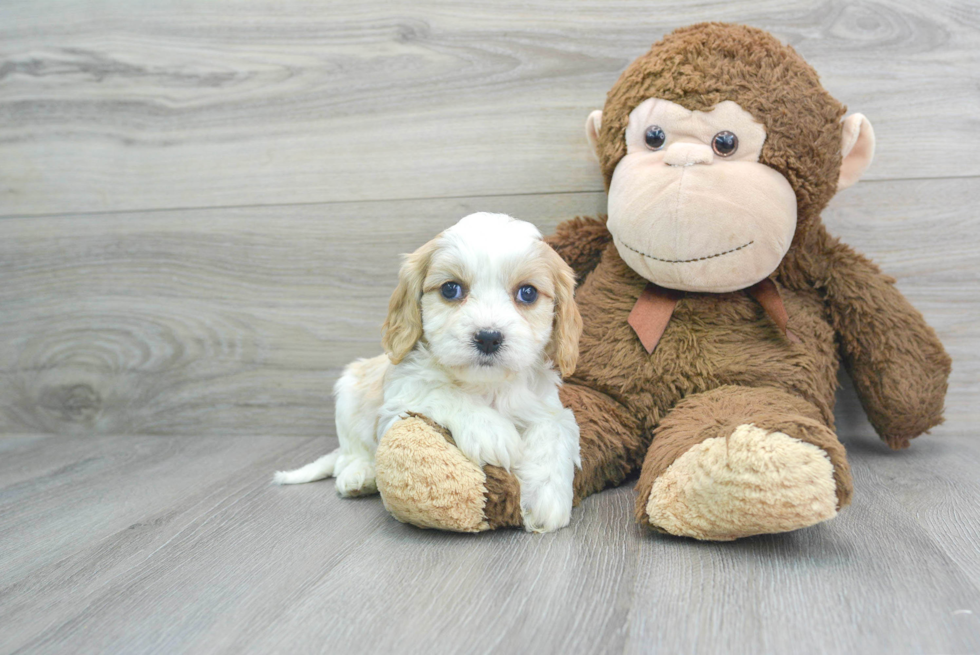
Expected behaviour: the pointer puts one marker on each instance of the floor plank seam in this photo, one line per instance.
(350, 201)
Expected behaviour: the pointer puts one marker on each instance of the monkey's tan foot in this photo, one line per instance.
(754, 482)
(709, 479)
(426, 481)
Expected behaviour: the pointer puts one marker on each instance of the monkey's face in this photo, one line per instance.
(690, 205)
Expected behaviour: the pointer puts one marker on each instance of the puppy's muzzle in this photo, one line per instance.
(488, 342)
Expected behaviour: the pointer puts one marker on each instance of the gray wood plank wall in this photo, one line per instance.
(201, 206)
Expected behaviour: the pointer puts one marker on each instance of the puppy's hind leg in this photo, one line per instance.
(359, 393)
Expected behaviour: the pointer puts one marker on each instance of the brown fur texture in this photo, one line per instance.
(718, 412)
(722, 362)
(720, 352)
(699, 66)
(580, 243)
(899, 367)
(503, 509)
(611, 440)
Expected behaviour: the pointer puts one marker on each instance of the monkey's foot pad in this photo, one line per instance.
(753, 482)
(427, 482)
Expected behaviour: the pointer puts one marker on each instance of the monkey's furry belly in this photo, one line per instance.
(710, 341)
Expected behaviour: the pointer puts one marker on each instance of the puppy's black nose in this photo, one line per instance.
(488, 342)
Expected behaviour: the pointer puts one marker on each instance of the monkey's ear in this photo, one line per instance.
(592, 125)
(857, 149)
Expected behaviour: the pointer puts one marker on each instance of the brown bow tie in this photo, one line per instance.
(654, 307)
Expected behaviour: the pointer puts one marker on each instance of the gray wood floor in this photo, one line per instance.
(201, 208)
(176, 544)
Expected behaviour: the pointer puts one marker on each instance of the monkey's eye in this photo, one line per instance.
(452, 291)
(527, 294)
(655, 137)
(724, 144)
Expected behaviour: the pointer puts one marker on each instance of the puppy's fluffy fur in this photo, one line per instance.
(501, 406)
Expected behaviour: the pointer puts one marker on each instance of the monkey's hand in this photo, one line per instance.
(898, 365)
(580, 243)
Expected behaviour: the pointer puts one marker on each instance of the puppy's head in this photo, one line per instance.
(489, 297)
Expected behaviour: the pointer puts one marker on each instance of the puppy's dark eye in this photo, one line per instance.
(527, 294)
(724, 144)
(655, 137)
(452, 291)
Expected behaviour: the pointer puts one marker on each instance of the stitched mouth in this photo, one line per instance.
(688, 261)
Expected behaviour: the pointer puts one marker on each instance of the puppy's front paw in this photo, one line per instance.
(546, 508)
(546, 511)
(489, 439)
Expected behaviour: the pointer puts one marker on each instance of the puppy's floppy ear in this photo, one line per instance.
(567, 327)
(403, 326)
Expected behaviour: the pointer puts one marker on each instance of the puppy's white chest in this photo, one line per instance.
(512, 403)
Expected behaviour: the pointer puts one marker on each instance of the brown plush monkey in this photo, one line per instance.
(716, 308)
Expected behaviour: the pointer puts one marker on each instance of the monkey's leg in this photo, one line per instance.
(426, 481)
(739, 461)
(612, 440)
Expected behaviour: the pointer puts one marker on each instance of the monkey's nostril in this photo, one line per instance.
(488, 342)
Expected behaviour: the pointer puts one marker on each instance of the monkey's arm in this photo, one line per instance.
(898, 365)
(580, 243)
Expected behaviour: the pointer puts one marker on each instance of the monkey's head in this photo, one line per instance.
(719, 149)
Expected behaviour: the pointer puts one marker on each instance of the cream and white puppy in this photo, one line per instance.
(482, 316)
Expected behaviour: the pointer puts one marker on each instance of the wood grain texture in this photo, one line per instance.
(237, 321)
(201, 211)
(141, 544)
(122, 106)
(214, 322)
